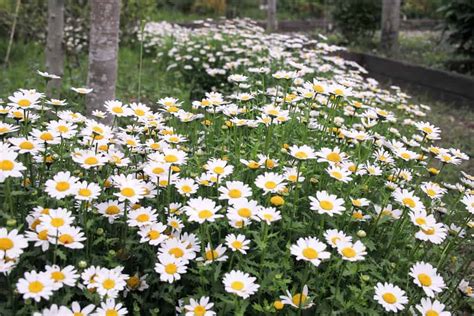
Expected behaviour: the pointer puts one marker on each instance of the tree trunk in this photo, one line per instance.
(272, 24)
(54, 45)
(390, 26)
(103, 53)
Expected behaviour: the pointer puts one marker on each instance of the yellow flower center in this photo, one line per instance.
(158, 170)
(334, 157)
(270, 185)
(108, 284)
(424, 279)
(237, 244)
(427, 130)
(171, 268)
(171, 158)
(112, 210)
(431, 313)
(211, 255)
(268, 217)
(139, 112)
(128, 192)
(26, 145)
(335, 239)
(205, 214)
(235, 194)
(186, 189)
(420, 221)
(6, 165)
(219, 170)
(431, 192)
(348, 252)
(57, 222)
(301, 155)
(337, 175)
(35, 287)
(85, 192)
(199, 310)
(310, 253)
(299, 299)
(357, 215)
(97, 129)
(429, 231)
(405, 155)
(57, 276)
(63, 129)
(269, 163)
(318, 88)
(111, 312)
(244, 212)
(143, 218)
(46, 136)
(24, 103)
(6, 244)
(62, 186)
(66, 239)
(117, 109)
(91, 161)
(177, 252)
(409, 202)
(237, 285)
(133, 282)
(326, 205)
(253, 165)
(43, 235)
(273, 112)
(153, 234)
(389, 298)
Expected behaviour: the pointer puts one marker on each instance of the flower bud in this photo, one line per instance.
(277, 200)
(82, 264)
(11, 222)
(278, 305)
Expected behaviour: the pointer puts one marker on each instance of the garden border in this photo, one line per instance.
(448, 86)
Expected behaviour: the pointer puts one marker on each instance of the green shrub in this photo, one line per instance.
(357, 19)
(459, 25)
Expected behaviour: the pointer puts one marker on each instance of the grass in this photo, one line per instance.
(457, 125)
(26, 59)
(426, 48)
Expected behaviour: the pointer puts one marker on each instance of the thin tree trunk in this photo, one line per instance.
(390, 26)
(272, 24)
(103, 53)
(54, 44)
(12, 32)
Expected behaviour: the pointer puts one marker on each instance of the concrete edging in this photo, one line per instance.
(440, 84)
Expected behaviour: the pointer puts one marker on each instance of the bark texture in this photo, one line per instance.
(54, 45)
(272, 24)
(390, 26)
(103, 53)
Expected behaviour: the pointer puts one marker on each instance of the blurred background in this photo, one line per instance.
(435, 33)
